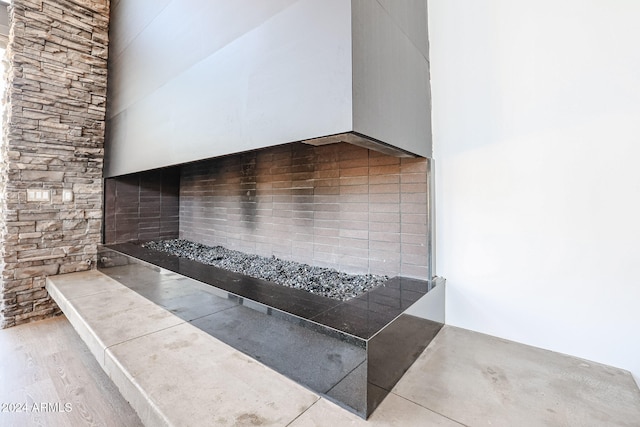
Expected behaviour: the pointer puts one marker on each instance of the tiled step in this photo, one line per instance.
(170, 371)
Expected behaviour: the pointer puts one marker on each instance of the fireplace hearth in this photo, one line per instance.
(353, 352)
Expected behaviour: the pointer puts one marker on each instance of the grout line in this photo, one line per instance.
(73, 315)
(90, 328)
(90, 295)
(303, 412)
(429, 409)
(149, 333)
(149, 405)
(345, 376)
(211, 314)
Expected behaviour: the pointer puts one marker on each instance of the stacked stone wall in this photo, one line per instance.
(53, 146)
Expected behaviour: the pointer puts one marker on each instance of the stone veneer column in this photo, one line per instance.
(53, 141)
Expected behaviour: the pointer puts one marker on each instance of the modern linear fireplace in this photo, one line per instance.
(263, 132)
(296, 129)
(338, 206)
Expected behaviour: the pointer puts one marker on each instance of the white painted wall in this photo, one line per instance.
(536, 120)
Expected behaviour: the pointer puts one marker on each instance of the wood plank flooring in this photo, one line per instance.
(48, 377)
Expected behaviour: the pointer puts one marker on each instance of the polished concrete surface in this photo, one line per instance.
(178, 375)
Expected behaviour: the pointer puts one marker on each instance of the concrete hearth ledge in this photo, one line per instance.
(171, 372)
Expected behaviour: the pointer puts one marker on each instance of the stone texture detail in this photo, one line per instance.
(54, 123)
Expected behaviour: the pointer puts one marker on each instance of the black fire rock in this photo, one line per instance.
(318, 280)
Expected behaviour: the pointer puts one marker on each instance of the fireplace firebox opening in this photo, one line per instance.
(338, 206)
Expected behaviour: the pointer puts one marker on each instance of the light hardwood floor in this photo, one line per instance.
(48, 377)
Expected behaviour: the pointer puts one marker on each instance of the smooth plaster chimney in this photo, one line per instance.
(201, 79)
